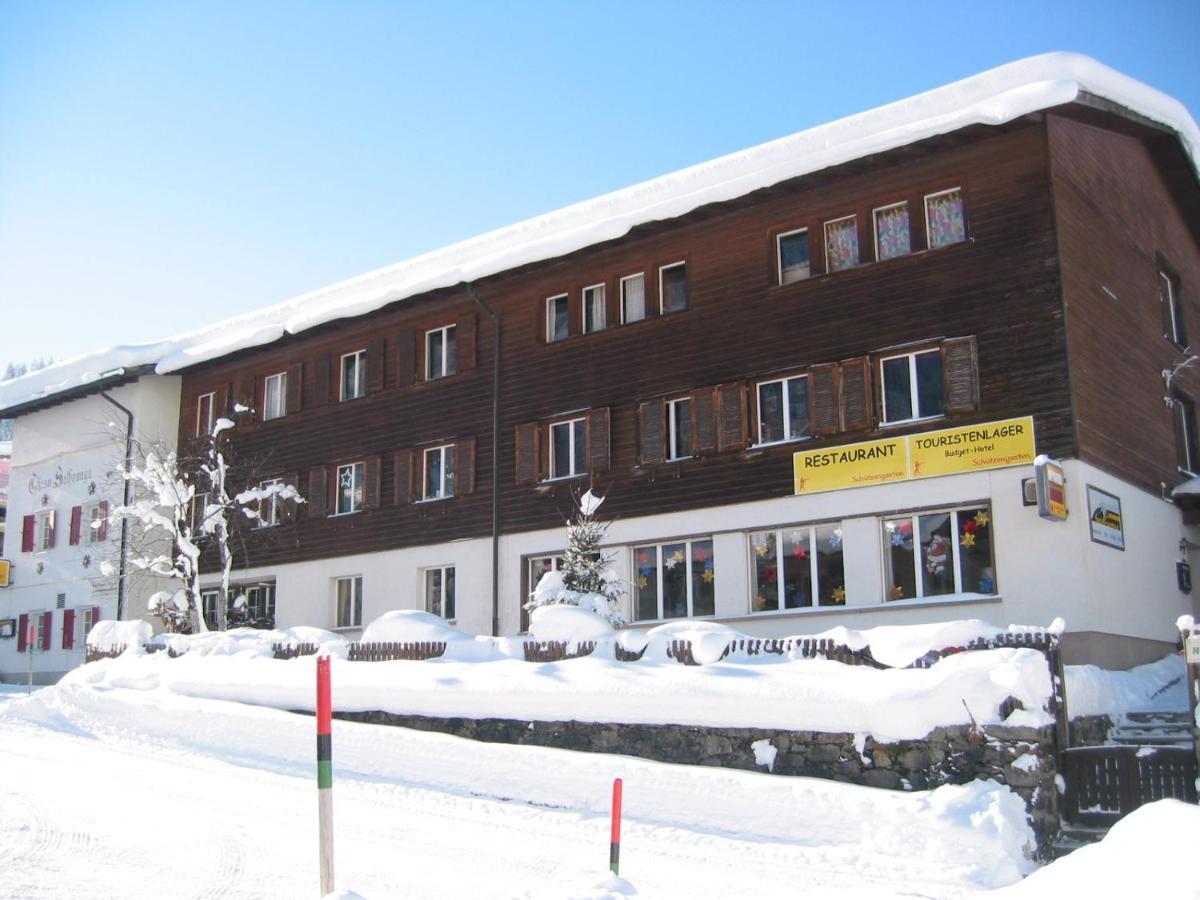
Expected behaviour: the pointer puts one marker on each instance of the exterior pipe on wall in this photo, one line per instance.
(495, 458)
(124, 502)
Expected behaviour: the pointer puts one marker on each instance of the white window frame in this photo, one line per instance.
(551, 304)
(914, 392)
(279, 409)
(443, 491)
(570, 425)
(660, 572)
(355, 587)
(787, 411)
(46, 521)
(779, 255)
(662, 300)
(928, 236)
(260, 599)
(829, 269)
(625, 320)
(209, 599)
(595, 298)
(426, 590)
(673, 451)
(1183, 415)
(37, 617)
(94, 516)
(955, 548)
(268, 507)
(359, 358)
(204, 424)
(83, 624)
(875, 228)
(198, 514)
(1177, 335)
(358, 479)
(447, 368)
(780, 600)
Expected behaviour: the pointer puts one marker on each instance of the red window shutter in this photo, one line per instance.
(402, 473)
(375, 366)
(68, 632)
(599, 440)
(731, 416)
(823, 399)
(47, 624)
(295, 388)
(464, 343)
(856, 394)
(27, 527)
(22, 632)
(316, 491)
(371, 466)
(650, 426)
(406, 357)
(76, 522)
(464, 466)
(527, 453)
(53, 528)
(704, 421)
(102, 532)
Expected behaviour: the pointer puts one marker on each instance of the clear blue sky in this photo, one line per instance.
(164, 164)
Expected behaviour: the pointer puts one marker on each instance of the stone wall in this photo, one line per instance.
(1089, 731)
(1022, 758)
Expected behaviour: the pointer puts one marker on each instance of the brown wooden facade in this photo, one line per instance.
(1056, 207)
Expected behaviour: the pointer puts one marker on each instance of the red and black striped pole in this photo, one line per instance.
(325, 772)
(614, 851)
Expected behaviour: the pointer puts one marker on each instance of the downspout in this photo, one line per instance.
(124, 502)
(495, 459)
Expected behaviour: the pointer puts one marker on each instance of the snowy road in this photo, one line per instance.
(114, 793)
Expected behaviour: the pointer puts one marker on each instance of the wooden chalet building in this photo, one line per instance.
(810, 379)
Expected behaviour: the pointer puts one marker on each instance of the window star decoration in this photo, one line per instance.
(675, 559)
(981, 518)
(800, 552)
(760, 549)
(700, 554)
(642, 581)
(760, 602)
(839, 594)
(968, 539)
(835, 539)
(897, 592)
(708, 576)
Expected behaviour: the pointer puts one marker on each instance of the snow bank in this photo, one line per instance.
(992, 98)
(572, 624)
(108, 634)
(1157, 686)
(411, 626)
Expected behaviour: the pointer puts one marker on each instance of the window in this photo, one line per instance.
(945, 222)
(558, 322)
(798, 567)
(633, 298)
(593, 308)
(912, 386)
(675, 580)
(439, 591)
(198, 515)
(441, 358)
(539, 566)
(350, 495)
(204, 414)
(679, 428)
(568, 445)
(208, 607)
(672, 287)
(97, 522)
(84, 620)
(1172, 309)
(258, 608)
(793, 256)
(938, 553)
(354, 375)
(783, 410)
(45, 529)
(841, 244)
(38, 618)
(892, 237)
(348, 593)
(439, 472)
(1187, 447)
(275, 396)
(268, 507)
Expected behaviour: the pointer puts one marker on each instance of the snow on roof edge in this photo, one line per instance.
(991, 98)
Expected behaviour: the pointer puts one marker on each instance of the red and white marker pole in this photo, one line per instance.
(325, 772)
(614, 851)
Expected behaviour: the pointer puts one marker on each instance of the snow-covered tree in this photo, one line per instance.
(586, 577)
(183, 502)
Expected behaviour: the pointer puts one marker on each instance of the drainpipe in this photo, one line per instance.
(124, 502)
(495, 459)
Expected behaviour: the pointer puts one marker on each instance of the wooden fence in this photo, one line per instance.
(1106, 783)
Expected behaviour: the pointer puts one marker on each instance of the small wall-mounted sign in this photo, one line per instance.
(1183, 576)
(8, 628)
(1104, 518)
(1051, 489)
(5, 573)
(1192, 648)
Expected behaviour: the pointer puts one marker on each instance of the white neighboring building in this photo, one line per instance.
(66, 452)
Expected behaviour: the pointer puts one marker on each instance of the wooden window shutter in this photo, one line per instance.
(102, 529)
(406, 357)
(27, 526)
(47, 624)
(53, 528)
(246, 391)
(371, 478)
(295, 388)
(76, 523)
(22, 632)
(599, 440)
(375, 366)
(316, 491)
(704, 421)
(331, 490)
(856, 394)
(960, 368)
(323, 377)
(528, 452)
(287, 508)
(651, 416)
(221, 402)
(402, 473)
(464, 342)
(823, 398)
(731, 416)
(68, 632)
(464, 466)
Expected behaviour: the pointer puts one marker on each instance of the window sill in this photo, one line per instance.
(899, 423)
(769, 444)
(911, 603)
(562, 478)
(342, 515)
(422, 500)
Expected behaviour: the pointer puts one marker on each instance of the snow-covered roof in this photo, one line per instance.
(992, 98)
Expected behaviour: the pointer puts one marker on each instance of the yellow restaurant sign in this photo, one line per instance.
(990, 445)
